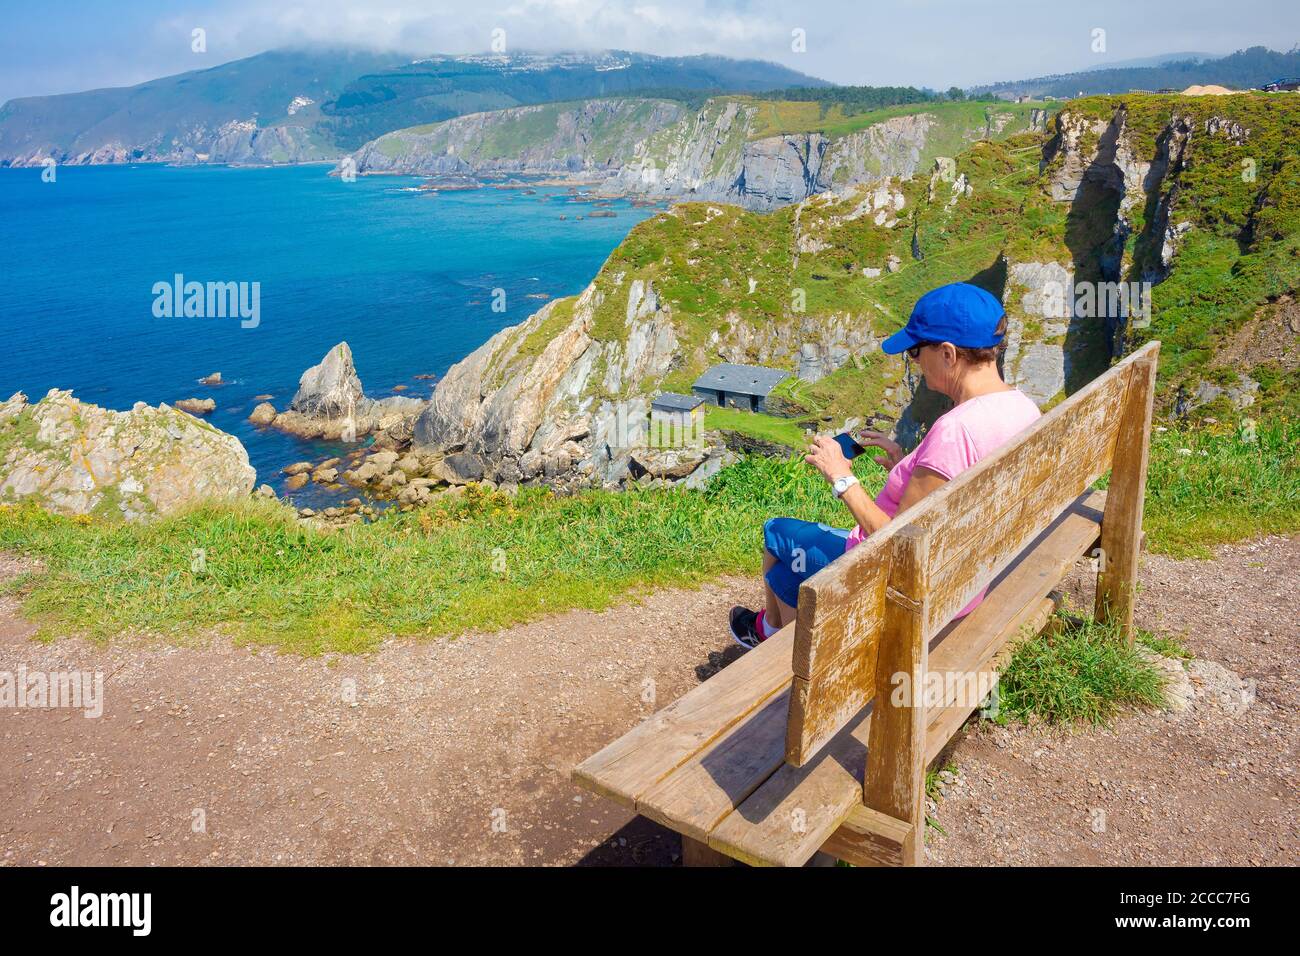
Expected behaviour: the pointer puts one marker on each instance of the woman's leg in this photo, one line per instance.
(793, 551)
(774, 608)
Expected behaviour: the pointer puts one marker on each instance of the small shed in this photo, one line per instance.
(738, 386)
(676, 419)
(675, 409)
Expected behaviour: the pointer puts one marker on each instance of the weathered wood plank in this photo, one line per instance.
(695, 853)
(1122, 530)
(706, 788)
(831, 624)
(869, 838)
(789, 817)
(895, 776)
(1084, 421)
(638, 760)
(948, 719)
(997, 544)
(821, 706)
(978, 523)
(844, 688)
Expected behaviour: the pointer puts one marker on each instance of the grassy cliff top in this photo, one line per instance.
(780, 117)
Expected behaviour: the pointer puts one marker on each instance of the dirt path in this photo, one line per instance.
(459, 751)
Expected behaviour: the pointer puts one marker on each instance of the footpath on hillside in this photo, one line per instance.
(459, 751)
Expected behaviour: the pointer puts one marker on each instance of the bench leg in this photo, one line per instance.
(1121, 525)
(695, 853)
(894, 782)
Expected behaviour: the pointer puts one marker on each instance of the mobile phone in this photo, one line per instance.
(849, 446)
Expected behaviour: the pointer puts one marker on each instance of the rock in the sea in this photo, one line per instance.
(213, 379)
(263, 414)
(75, 458)
(330, 404)
(197, 406)
(330, 389)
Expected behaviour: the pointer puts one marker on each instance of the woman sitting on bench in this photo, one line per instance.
(954, 334)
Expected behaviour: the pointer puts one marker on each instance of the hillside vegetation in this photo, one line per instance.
(1203, 200)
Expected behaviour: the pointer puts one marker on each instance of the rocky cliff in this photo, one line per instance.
(658, 149)
(75, 458)
(238, 142)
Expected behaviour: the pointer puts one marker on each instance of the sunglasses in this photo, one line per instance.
(915, 350)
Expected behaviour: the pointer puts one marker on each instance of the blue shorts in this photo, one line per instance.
(801, 549)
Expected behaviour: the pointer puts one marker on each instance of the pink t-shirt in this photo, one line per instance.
(957, 439)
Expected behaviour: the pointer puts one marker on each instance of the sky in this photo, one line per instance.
(61, 46)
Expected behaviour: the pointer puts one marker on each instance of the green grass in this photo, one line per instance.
(270, 579)
(1084, 673)
(769, 428)
(932, 791)
(1228, 488)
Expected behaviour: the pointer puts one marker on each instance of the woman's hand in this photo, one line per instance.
(827, 457)
(893, 452)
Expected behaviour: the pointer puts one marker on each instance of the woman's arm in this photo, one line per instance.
(828, 458)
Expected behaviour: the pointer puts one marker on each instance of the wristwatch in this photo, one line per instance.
(841, 485)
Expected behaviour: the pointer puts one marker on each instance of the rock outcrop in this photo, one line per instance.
(512, 415)
(75, 458)
(331, 404)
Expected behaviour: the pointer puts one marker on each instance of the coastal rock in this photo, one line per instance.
(460, 468)
(197, 406)
(666, 462)
(74, 458)
(330, 389)
(263, 414)
(331, 404)
(659, 150)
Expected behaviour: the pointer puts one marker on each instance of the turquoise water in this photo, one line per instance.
(404, 277)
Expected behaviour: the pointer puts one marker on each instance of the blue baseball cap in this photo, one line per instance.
(960, 313)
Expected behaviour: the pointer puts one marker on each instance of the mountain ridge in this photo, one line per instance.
(323, 102)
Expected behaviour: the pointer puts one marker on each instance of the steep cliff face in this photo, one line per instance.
(236, 142)
(656, 148)
(552, 139)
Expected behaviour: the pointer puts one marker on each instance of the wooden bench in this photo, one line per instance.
(783, 754)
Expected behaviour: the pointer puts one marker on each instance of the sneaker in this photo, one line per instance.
(745, 628)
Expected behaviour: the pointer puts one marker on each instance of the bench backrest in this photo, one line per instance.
(950, 545)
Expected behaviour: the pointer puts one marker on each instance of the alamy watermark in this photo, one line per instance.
(74, 690)
(1090, 300)
(936, 689)
(208, 300)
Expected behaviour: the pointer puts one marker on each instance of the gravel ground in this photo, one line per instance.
(459, 751)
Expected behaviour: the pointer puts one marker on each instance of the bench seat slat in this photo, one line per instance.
(634, 763)
(705, 789)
